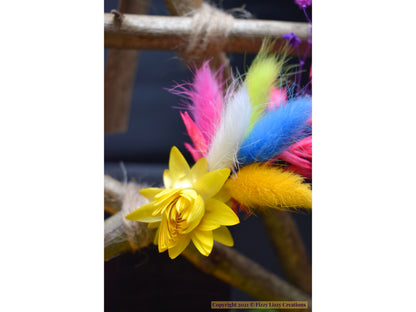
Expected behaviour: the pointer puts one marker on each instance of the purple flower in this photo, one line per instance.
(292, 39)
(303, 3)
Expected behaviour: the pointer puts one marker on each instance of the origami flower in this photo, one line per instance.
(191, 207)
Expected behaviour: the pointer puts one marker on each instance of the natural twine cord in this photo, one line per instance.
(210, 30)
(131, 201)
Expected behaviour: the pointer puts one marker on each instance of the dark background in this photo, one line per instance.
(147, 280)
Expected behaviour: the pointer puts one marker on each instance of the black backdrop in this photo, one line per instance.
(148, 281)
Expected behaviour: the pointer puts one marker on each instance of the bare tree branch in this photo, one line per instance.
(120, 72)
(288, 245)
(172, 33)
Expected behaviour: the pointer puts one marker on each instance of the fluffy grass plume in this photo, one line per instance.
(276, 131)
(260, 185)
(231, 131)
(199, 148)
(263, 73)
(206, 97)
(299, 156)
(204, 100)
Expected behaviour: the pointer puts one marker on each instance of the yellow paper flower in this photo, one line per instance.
(190, 207)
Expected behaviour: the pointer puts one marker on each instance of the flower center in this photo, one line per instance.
(182, 211)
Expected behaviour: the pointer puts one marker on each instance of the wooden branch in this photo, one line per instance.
(288, 245)
(116, 240)
(230, 266)
(224, 263)
(119, 76)
(171, 33)
(113, 194)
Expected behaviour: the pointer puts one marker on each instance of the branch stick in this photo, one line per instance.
(115, 239)
(235, 269)
(119, 76)
(113, 193)
(288, 245)
(172, 33)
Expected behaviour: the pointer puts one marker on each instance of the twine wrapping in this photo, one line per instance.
(210, 30)
(131, 201)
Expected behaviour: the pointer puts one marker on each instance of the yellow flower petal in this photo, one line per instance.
(223, 236)
(203, 241)
(223, 195)
(164, 199)
(150, 192)
(209, 184)
(144, 214)
(180, 246)
(188, 194)
(194, 215)
(199, 169)
(208, 224)
(167, 180)
(163, 235)
(161, 248)
(221, 213)
(178, 167)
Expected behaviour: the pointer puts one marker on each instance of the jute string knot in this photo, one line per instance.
(131, 201)
(210, 30)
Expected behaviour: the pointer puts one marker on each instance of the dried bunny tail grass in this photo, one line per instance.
(276, 131)
(260, 186)
(299, 156)
(268, 69)
(232, 128)
(199, 148)
(203, 99)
